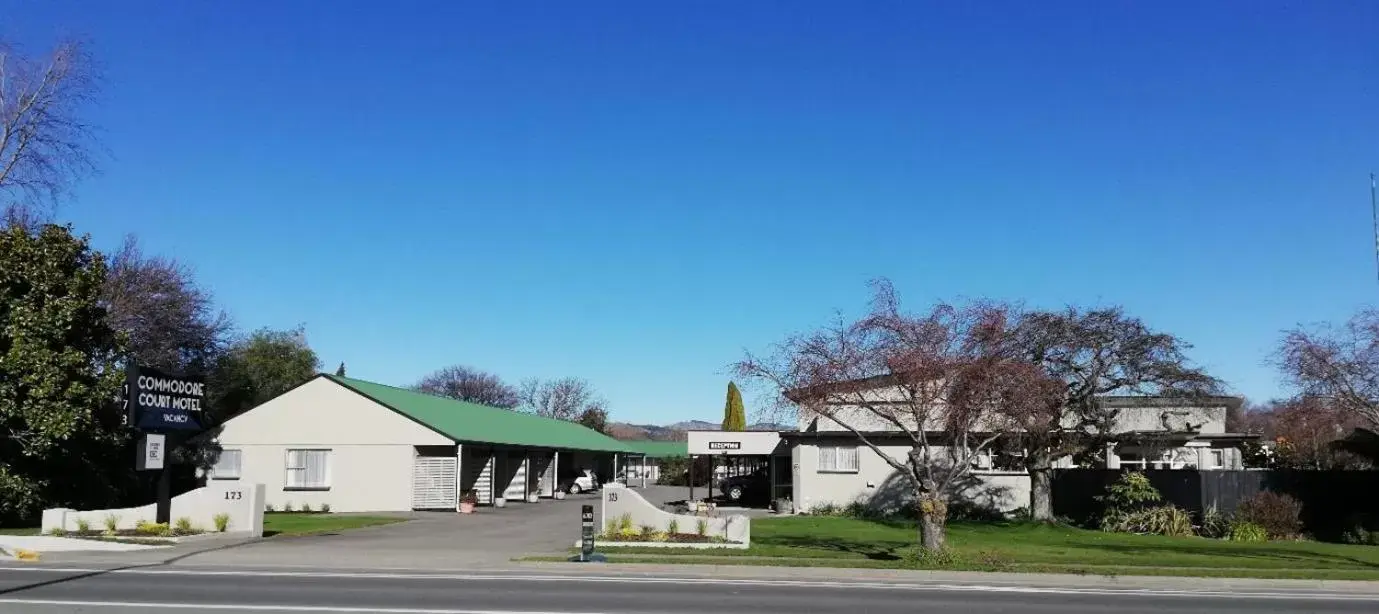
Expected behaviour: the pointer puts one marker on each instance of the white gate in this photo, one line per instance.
(433, 483)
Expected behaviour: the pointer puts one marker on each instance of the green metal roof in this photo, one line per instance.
(658, 449)
(471, 422)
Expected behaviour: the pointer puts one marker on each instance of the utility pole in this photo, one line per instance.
(1374, 209)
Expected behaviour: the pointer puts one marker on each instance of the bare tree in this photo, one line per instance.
(933, 379)
(1340, 364)
(1092, 353)
(469, 384)
(566, 398)
(44, 145)
(170, 321)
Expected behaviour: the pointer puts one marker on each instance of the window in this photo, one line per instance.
(838, 458)
(308, 469)
(1218, 459)
(227, 466)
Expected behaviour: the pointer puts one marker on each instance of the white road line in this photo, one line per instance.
(734, 582)
(255, 608)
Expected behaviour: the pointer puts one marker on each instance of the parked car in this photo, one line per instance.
(755, 486)
(585, 480)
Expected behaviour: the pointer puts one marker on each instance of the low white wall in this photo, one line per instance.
(619, 500)
(243, 502)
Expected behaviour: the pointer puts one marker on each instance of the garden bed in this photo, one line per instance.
(665, 540)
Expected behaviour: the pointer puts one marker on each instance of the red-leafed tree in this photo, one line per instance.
(938, 377)
(1091, 353)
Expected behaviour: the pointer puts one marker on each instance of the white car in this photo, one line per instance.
(583, 481)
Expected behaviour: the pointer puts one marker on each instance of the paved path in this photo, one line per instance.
(66, 591)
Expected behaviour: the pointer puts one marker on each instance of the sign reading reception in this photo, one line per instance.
(158, 401)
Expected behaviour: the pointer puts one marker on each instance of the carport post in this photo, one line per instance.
(459, 475)
(691, 478)
(643, 471)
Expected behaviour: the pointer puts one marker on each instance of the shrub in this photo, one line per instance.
(611, 527)
(287, 507)
(325, 508)
(269, 508)
(1129, 493)
(648, 532)
(144, 527)
(1278, 514)
(83, 525)
(673, 527)
(1215, 524)
(701, 527)
(222, 522)
(57, 531)
(824, 509)
(1244, 531)
(1160, 520)
(624, 523)
(923, 558)
(184, 525)
(112, 522)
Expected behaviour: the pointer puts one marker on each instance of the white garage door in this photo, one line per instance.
(433, 483)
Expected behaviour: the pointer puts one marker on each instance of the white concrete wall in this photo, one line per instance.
(618, 500)
(371, 446)
(242, 501)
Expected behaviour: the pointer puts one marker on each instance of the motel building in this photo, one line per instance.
(823, 463)
(359, 446)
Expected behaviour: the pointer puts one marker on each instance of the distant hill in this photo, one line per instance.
(676, 432)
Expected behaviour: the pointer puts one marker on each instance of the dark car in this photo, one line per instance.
(755, 486)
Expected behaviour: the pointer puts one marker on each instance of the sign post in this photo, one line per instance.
(586, 522)
(161, 405)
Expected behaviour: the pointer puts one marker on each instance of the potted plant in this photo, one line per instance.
(500, 502)
(532, 498)
(559, 494)
(468, 501)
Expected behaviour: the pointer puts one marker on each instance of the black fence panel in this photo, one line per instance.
(1333, 502)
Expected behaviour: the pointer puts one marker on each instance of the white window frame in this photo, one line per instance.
(830, 458)
(217, 474)
(289, 469)
(1217, 458)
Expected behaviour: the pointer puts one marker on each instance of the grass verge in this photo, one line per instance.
(297, 524)
(21, 531)
(809, 541)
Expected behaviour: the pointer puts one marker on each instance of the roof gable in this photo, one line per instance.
(471, 422)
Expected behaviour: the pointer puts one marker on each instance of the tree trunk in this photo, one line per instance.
(1040, 487)
(933, 519)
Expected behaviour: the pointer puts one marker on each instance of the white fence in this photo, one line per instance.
(242, 502)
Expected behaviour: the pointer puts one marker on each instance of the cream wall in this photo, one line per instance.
(372, 447)
(879, 485)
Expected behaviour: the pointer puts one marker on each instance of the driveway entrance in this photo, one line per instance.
(491, 536)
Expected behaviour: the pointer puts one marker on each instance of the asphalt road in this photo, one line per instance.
(64, 591)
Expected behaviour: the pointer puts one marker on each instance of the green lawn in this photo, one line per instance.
(289, 524)
(845, 542)
(21, 531)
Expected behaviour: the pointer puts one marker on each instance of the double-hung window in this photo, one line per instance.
(226, 466)
(308, 469)
(840, 459)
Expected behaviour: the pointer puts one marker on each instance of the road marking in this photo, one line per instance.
(734, 582)
(257, 608)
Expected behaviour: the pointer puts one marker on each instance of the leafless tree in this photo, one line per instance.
(566, 398)
(1092, 353)
(170, 321)
(44, 145)
(934, 379)
(1339, 363)
(469, 384)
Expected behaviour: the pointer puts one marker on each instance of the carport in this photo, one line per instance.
(741, 453)
(641, 464)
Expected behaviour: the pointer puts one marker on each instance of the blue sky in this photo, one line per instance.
(637, 192)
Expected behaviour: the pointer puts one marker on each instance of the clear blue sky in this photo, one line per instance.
(635, 192)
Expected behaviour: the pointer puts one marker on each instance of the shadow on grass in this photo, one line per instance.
(876, 551)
